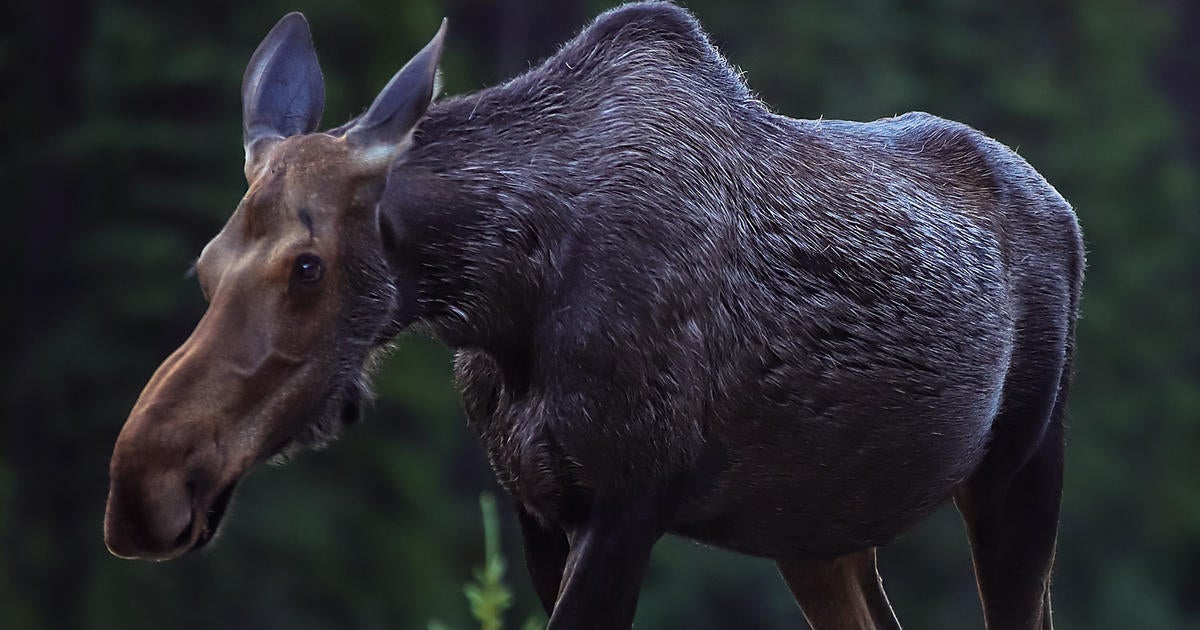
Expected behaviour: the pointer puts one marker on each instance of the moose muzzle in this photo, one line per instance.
(164, 486)
(194, 432)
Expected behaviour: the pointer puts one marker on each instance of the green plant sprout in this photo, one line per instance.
(487, 595)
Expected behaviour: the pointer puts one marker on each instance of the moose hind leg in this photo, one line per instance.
(1011, 507)
(843, 593)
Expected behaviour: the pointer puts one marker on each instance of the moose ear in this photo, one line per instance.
(382, 132)
(283, 92)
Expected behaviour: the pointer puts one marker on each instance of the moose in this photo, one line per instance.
(673, 311)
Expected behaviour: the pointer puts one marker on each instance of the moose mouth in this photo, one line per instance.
(211, 520)
(347, 410)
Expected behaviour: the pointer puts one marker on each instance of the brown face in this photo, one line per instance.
(299, 295)
(274, 359)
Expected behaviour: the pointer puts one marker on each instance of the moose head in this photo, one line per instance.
(299, 294)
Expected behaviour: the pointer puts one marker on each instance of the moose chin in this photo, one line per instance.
(674, 312)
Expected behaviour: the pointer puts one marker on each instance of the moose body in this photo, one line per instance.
(673, 310)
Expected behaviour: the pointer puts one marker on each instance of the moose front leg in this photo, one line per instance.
(604, 569)
(546, 550)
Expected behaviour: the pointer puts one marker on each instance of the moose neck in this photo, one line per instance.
(503, 191)
(476, 219)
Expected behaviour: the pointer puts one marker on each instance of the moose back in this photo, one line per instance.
(674, 311)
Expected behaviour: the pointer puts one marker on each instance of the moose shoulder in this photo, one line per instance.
(674, 312)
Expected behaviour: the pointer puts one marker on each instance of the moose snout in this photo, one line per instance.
(163, 480)
(149, 514)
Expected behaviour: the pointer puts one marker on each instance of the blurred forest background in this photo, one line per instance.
(122, 156)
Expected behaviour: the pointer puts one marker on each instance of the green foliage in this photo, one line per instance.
(488, 596)
(122, 157)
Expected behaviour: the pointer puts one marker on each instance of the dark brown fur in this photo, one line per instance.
(674, 311)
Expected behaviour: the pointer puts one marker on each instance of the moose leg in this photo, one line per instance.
(843, 593)
(603, 576)
(1010, 507)
(1013, 529)
(546, 551)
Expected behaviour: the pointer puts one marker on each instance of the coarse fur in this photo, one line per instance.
(651, 279)
(795, 335)
(676, 311)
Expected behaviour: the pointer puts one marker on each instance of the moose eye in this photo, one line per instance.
(308, 268)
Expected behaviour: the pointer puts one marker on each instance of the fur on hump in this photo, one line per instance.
(626, 60)
(599, 122)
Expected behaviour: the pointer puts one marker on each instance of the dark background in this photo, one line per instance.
(122, 156)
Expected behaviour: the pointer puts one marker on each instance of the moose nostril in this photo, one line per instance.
(171, 515)
(185, 536)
